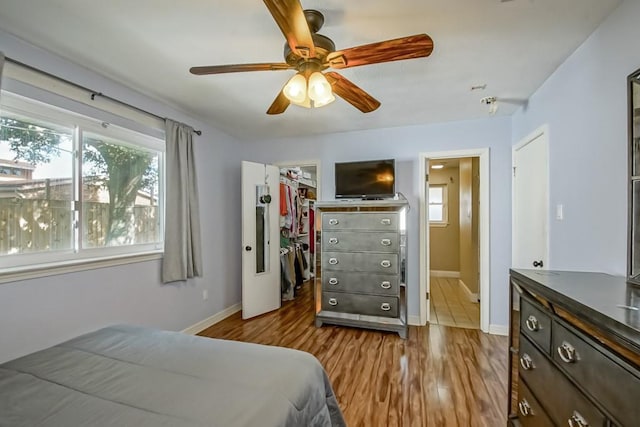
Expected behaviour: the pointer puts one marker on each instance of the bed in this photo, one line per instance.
(132, 376)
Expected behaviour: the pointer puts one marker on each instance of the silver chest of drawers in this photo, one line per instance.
(362, 264)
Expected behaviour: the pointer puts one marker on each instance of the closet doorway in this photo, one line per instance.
(299, 190)
(454, 250)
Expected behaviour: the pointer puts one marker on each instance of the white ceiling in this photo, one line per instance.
(149, 45)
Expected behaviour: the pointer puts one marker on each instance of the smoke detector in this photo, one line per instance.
(492, 102)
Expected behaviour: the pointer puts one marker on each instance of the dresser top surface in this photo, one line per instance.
(607, 301)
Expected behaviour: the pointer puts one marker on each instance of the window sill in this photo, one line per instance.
(43, 270)
(438, 224)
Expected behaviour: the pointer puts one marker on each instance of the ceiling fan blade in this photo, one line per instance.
(279, 105)
(289, 16)
(352, 93)
(237, 68)
(417, 46)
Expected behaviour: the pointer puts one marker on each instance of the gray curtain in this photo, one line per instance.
(182, 253)
(1, 67)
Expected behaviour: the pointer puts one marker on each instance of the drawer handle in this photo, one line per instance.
(333, 240)
(567, 352)
(385, 263)
(577, 420)
(532, 323)
(385, 285)
(333, 261)
(333, 281)
(526, 362)
(385, 221)
(385, 306)
(525, 408)
(333, 301)
(333, 221)
(385, 242)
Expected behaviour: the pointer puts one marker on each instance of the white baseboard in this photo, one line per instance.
(499, 330)
(414, 320)
(473, 297)
(445, 273)
(210, 321)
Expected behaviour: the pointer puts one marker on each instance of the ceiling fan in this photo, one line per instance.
(310, 53)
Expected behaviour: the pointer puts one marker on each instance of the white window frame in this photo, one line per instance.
(29, 265)
(444, 204)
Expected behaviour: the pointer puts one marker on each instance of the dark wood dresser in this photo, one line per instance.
(575, 343)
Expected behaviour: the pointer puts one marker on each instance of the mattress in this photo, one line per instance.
(132, 376)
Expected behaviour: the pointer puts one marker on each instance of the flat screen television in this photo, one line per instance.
(371, 179)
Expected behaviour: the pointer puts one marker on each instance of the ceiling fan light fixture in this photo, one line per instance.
(324, 101)
(319, 87)
(296, 89)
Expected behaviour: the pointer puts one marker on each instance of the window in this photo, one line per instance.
(74, 188)
(438, 210)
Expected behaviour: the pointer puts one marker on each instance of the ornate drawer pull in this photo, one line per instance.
(577, 420)
(567, 352)
(385, 221)
(532, 323)
(333, 301)
(385, 242)
(333, 261)
(385, 263)
(526, 362)
(385, 306)
(333, 221)
(385, 285)
(525, 408)
(333, 240)
(333, 281)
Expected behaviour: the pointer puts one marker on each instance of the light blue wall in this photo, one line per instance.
(585, 105)
(405, 144)
(41, 312)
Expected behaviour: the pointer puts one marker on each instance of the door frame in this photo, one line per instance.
(541, 131)
(483, 220)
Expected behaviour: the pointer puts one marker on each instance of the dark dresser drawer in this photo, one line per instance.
(561, 400)
(374, 221)
(371, 305)
(616, 386)
(354, 261)
(530, 413)
(370, 283)
(360, 241)
(535, 323)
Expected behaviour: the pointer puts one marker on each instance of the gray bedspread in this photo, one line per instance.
(132, 376)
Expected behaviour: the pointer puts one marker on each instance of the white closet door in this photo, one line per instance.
(260, 239)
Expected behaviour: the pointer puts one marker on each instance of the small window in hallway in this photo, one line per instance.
(438, 205)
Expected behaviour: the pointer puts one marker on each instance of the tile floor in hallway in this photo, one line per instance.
(450, 304)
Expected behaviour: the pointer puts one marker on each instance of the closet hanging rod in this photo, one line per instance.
(93, 93)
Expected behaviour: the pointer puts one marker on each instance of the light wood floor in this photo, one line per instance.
(439, 376)
(450, 305)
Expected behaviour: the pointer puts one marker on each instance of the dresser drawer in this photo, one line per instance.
(369, 283)
(530, 413)
(616, 387)
(561, 400)
(379, 221)
(366, 262)
(360, 241)
(371, 305)
(535, 323)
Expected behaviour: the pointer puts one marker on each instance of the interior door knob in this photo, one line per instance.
(247, 248)
(537, 263)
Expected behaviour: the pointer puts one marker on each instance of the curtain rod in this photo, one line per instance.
(91, 91)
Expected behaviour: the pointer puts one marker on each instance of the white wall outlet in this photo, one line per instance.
(205, 294)
(559, 212)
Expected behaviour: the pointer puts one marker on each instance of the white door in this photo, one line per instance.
(531, 203)
(260, 239)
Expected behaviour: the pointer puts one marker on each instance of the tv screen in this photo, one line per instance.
(372, 179)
